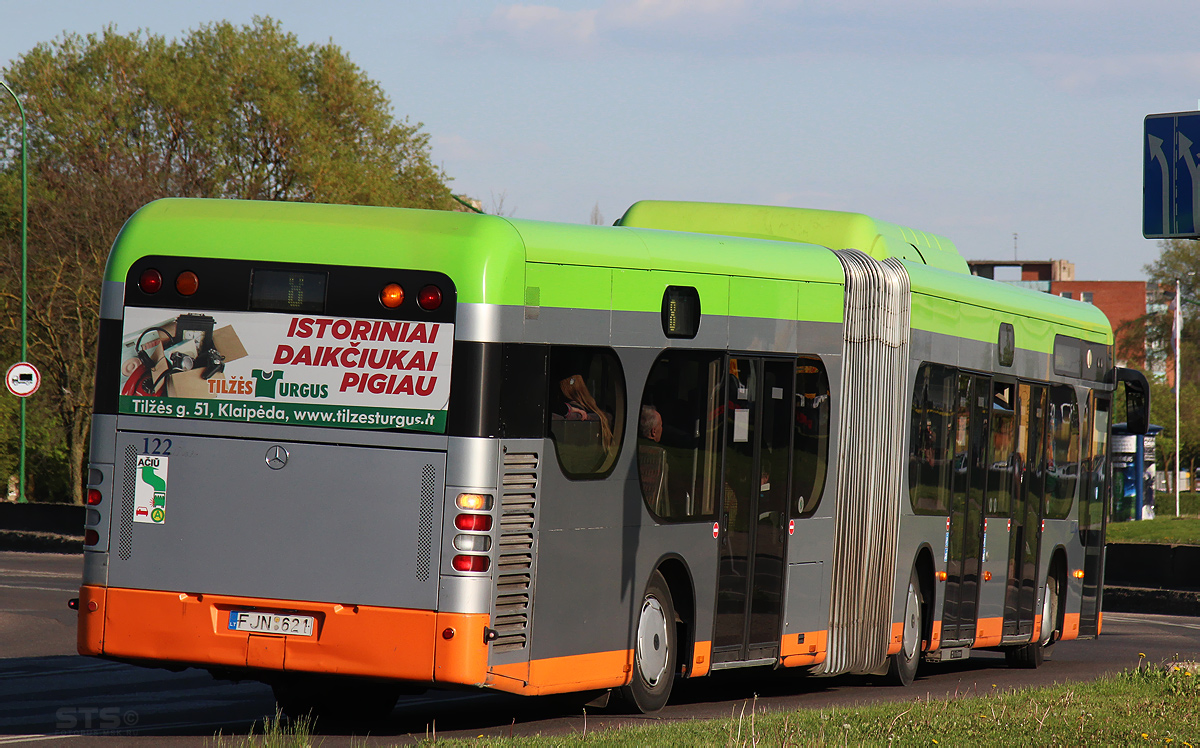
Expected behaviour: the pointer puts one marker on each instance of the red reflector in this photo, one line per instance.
(391, 296)
(187, 283)
(448, 634)
(430, 298)
(91, 537)
(471, 563)
(150, 281)
(475, 522)
(94, 496)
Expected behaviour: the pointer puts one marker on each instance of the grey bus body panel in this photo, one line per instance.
(333, 525)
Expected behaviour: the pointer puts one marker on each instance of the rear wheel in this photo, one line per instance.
(902, 666)
(654, 650)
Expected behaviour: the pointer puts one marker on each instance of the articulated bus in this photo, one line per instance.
(353, 451)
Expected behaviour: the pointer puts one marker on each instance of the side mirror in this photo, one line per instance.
(1137, 399)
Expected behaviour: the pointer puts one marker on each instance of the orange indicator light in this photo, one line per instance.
(392, 295)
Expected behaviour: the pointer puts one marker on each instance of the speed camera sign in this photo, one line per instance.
(22, 379)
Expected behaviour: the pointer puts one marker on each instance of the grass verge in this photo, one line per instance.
(1159, 705)
(1147, 705)
(1182, 530)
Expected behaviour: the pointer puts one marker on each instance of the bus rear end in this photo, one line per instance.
(268, 465)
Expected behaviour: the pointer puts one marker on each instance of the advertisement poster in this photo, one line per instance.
(291, 369)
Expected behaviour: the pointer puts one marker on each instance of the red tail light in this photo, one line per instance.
(94, 496)
(150, 281)
(471, 563)
(91, 537)
(429, 298)
(473, 522)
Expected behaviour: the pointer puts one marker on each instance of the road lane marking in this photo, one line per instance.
(43, 589)
(31, 573)
(1144, 619)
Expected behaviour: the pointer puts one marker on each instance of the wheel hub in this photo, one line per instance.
(652, 652)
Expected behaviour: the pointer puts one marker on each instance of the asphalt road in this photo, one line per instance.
(48, 694)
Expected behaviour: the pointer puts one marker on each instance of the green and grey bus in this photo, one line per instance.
(351, 450)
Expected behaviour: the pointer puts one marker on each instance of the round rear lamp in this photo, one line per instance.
(429, 298)
(392, 295)
(91, 537)
(94, 497)
(187, 283)
(150, 281)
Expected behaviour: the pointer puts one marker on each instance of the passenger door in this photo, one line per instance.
(753, 513)
(965, 525)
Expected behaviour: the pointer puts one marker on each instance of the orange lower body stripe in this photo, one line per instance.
(583, 672)
(347, 640)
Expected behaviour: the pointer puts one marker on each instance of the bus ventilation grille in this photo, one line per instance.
(425, 526)
(514, 558)
(125, 543)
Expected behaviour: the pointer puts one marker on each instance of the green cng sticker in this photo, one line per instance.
(150, 490)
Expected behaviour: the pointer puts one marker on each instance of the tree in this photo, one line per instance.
(1178, 262)
(116, 121)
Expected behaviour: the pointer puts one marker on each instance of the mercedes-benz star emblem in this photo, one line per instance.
(277, 457)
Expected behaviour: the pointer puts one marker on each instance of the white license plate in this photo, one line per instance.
(270, 623)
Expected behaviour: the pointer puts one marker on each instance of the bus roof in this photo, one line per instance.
(828, 228)
(487, 254)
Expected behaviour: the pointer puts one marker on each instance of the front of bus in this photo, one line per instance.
(268, 485)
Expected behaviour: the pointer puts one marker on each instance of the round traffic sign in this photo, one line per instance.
(22, 379)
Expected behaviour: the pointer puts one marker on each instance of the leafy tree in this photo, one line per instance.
(117, 120)
(1178, 261)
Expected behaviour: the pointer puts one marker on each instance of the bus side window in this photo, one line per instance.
(1001, 463)
(810, 453)
(1063, 473)
(679, 435)
(586, 409)
(931, 456)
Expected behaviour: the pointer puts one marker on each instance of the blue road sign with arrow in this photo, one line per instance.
(1171, 176)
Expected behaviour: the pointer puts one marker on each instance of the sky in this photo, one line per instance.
(972, 119)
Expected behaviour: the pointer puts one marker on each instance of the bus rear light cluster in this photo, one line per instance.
(151, 281)
(474, 525)
(429, 298)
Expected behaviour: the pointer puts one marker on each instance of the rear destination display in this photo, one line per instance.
(293, 369)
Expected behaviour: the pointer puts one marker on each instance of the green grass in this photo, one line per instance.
(1182, 530)
(1158, 705)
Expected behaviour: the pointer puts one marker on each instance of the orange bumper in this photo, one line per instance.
(357, 640)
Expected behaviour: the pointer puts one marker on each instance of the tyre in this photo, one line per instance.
(655, 650)
(335, 702)
(902, 666)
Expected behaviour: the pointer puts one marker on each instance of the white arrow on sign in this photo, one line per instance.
(22, 379)
(1185, 149)
(1156, 154)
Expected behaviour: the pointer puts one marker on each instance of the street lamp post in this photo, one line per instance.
(24, 274)
(1176, 334)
